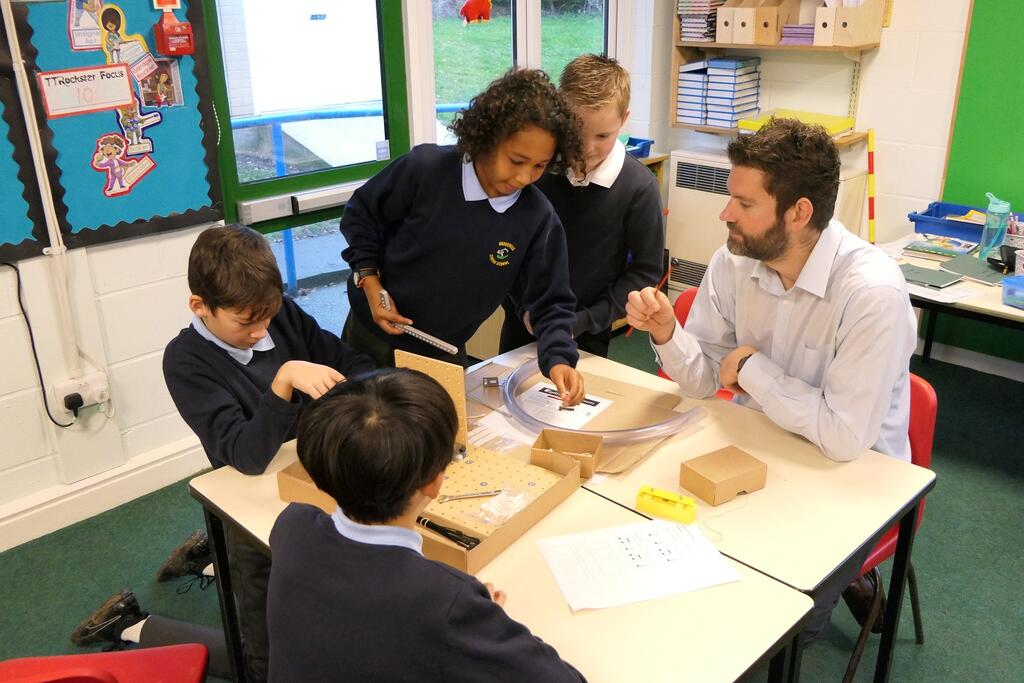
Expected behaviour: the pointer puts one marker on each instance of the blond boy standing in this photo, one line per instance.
(610, 208)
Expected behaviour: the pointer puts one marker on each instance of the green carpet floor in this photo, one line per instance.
(967, 554)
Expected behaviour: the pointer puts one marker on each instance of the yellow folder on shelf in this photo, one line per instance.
(833, 124)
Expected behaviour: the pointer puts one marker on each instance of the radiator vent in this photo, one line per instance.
(686, 273)
(702, 178)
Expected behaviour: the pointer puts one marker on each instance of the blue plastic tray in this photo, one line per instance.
(639, 147)
(932, 221)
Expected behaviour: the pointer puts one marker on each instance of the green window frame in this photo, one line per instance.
(396, 123)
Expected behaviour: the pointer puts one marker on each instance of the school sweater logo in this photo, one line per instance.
(500, 257)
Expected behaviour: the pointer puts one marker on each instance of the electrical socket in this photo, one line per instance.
(93, 388)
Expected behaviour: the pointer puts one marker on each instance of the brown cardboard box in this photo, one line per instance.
(471, 561)
(583, 448)
(721, 475)
(295, 486)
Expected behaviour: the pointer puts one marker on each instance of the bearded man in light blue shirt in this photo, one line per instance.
(796, 315)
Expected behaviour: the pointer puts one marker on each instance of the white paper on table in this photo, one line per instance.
(634, 562)
(894, 249)
(543, 402)
(947, 295)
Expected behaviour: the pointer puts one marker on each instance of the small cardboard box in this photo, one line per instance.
(721, 475)
(295, 486)
(583, 448)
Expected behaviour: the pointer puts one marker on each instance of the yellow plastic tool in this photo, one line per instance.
(667, 504)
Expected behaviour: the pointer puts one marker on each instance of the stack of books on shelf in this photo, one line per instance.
(697, 20)
(732, 90)
(797, 34)
(691, 106)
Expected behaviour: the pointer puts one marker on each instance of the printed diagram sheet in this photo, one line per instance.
(543, 402)
(632, 563)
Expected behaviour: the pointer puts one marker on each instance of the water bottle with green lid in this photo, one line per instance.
(997, 218)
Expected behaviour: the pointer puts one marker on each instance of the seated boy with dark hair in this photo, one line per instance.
(240, 375)
(351, 597)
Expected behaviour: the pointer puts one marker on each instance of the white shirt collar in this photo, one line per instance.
(243, 356)
(473, 191)
(606, 172)
(377, 534)
(814, 276)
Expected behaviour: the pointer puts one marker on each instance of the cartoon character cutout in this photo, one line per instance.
(133, 122)
(122, 174)
(475, 10)
(112, 24)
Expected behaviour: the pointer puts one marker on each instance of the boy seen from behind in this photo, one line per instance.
(379, 445)
(610, 207)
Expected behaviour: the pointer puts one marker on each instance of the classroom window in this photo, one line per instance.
(309, 95)
(468, 55)
(569, 28)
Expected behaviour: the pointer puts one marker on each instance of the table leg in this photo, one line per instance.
(228, 609)
(929, 334)
(784, 666)
(894, 601)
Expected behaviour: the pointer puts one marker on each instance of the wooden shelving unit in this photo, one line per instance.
(842, 140)
(795, 48)
(684, 52)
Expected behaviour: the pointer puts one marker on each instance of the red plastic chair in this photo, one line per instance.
(170, 664)
(924, 406)
(682, 309)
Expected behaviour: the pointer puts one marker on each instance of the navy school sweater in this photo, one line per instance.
(449, 263)
(230, 406)
(602, 225)
(341, 610)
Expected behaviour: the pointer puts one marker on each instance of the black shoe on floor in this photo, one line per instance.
(189, 558)
(106, 624)
(859, 596)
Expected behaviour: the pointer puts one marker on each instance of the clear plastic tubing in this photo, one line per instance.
(612, 437)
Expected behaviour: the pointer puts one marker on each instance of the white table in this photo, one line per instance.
(716, 634)
(987, 307)
(813, 514)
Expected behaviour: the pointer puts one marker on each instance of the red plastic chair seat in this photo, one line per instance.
(170, 664)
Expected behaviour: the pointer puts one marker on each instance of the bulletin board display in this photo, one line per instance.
(131, 130)
(22, 230)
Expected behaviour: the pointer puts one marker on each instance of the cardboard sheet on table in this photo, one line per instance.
(487, 396)
(632, 407)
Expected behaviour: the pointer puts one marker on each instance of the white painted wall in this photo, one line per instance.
(907, 94)
(128, 300)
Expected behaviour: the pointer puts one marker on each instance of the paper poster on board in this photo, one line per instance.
(84, 24)
(163, 87)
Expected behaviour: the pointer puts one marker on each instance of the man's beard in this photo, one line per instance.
(767, 247)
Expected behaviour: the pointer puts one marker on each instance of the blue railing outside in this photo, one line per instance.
(363, 109)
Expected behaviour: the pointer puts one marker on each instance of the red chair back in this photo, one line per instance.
(170, 664)
(682, 310)
(924, 406)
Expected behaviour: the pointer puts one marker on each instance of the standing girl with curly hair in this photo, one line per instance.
(448, 232)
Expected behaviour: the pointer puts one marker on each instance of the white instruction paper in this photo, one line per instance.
(634, 562)
(543, 402)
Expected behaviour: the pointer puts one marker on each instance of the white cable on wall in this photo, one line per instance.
(57, 251)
